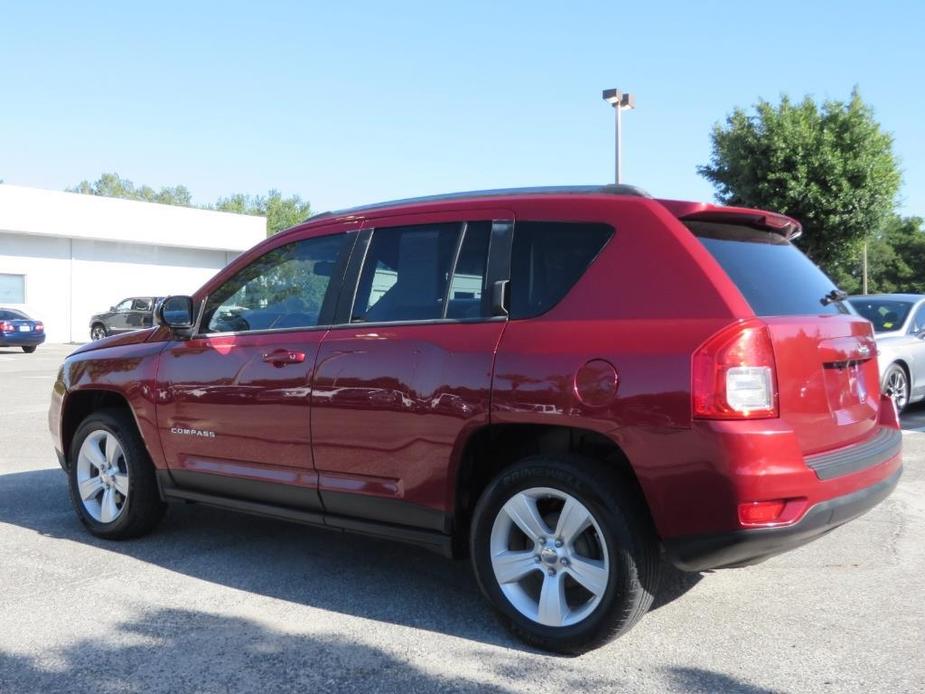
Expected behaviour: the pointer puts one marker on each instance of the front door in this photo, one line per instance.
(916, 351)
(400, 383)
(118, 321)
(233, 402)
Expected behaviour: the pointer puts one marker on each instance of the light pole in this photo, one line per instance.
(619, 100)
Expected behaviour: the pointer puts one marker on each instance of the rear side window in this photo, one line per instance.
(424, 272)
(774, 276)
(547, 260)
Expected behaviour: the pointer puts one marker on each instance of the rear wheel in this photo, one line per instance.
(28, 349)
(97, 332)
(112, 481)
(896, 383)
(564, 552)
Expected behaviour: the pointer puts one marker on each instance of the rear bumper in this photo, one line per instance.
(19, 339)
(743, 547)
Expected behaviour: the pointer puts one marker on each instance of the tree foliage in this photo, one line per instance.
(111, 185)
(830, 166)
(896, 257)
(280, 212)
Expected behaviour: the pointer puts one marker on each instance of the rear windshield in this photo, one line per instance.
(11, 314)
(886, 315)
(775, 278)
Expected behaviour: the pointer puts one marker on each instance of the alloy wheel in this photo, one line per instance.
(102, 476)
(549, 556)
(898, 385)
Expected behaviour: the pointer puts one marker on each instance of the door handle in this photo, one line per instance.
(280, 357)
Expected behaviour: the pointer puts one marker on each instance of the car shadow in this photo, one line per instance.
(913, 417)
(179, 650)
(389, 582)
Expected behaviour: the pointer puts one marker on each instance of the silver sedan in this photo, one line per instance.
(899, 327)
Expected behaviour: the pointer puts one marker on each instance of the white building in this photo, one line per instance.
(66, 256)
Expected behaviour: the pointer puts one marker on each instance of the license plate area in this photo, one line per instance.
(848, 392)
(25, 328)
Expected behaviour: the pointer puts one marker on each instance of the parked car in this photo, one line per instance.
(899, 328)
(564, 384)
(134, 313)
(18, 330)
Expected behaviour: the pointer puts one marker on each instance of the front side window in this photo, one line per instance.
(284, 288)
(918, 322)
(547, 259)
(424, 272)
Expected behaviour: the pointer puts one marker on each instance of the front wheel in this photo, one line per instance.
(896, 383)
(28, 349)
(97, 332)
(565, 553)
(111, 478)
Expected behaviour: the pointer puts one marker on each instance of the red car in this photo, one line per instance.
(565, 384)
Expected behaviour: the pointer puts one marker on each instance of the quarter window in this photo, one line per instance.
(284, 288)
(547, 259)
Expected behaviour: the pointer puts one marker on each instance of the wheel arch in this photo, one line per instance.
(495, 447)
(80, 404)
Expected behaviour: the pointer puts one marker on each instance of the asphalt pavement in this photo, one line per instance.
(218, 602)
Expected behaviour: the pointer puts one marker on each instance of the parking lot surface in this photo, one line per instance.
(216, 602)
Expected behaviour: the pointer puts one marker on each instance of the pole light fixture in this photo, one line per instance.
(620, 101)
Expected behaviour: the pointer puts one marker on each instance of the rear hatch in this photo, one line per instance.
(825, 358)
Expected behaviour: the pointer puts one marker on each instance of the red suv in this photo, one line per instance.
(567, 384)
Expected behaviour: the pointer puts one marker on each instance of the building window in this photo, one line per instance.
(12, 289)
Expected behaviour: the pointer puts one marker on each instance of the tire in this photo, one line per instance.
(618, 539)
(897, 380)
(98, 332)
(29, 349)
(133, 506)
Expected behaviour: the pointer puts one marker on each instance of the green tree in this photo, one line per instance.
(281, 213)
(111, 185)
(896, 257)
(830, 166)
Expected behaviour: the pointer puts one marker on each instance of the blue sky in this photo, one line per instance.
(345, 103)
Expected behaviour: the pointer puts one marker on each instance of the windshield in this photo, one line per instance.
(773, 275)
(885, 314)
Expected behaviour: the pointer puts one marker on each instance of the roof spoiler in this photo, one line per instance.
(787, 227)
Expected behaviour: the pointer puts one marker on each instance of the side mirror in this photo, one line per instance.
(176, 313)
(112, 308)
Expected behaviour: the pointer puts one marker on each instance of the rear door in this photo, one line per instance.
(140, 314)
(827, 376)
(408, 373)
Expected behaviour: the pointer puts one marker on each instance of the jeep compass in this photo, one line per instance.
(570, 386)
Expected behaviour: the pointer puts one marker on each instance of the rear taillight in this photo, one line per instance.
(733, 374)
(6, 327)
(39, 326)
